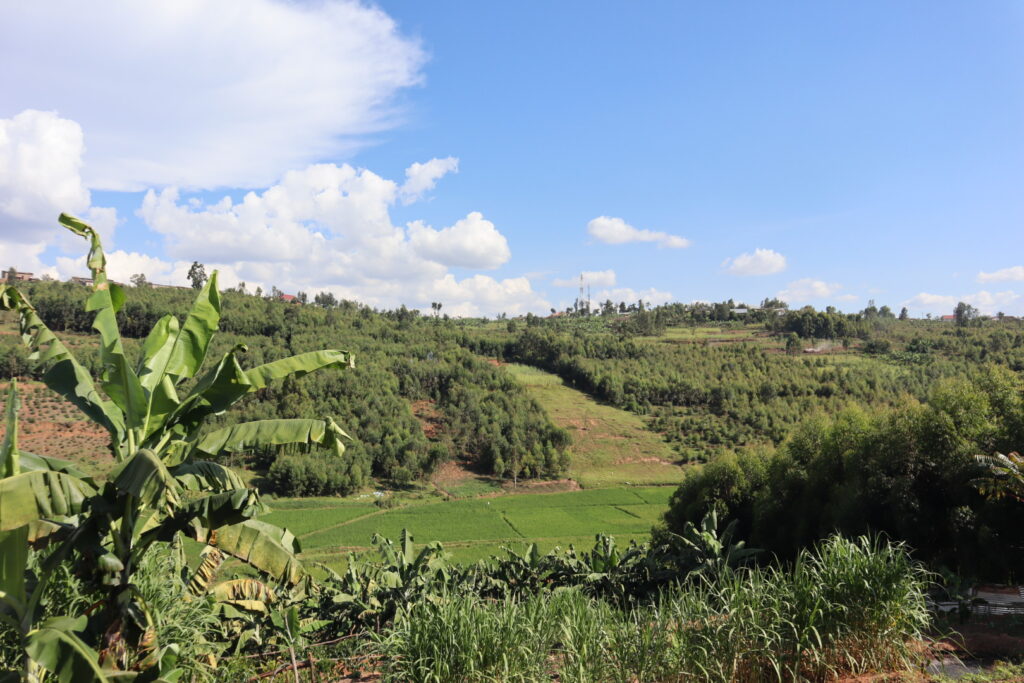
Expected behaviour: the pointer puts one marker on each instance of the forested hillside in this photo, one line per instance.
(741, 385)
(401, 359)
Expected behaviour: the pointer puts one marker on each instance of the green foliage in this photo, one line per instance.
(313, 475)
(849, 607)
(908, 472)
(161, 488)
(484, 416)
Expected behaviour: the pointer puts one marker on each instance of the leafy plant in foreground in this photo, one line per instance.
(166, 483)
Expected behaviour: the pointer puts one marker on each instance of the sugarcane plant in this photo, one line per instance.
(167, 483)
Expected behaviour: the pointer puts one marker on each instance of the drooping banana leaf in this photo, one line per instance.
(249, 435)
(119, 381)
(203, 475)
(206, 572)
(30, 496)
(198, 518)
(263, 546)
(144, 476)
(30, 462)
(55, 647)
(247, 594)
(61, 372)
(297, 366)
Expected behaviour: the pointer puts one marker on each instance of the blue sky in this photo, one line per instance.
(869, 150)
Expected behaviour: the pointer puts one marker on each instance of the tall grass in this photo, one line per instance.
(846, 607)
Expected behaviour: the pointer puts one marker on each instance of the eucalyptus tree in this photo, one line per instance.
(167, 483)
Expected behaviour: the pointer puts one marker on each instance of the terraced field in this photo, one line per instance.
(475, 528)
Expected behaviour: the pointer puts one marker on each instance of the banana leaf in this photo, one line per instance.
(119, 381)
(203, 475)
(156, 351)
(297, 366)
(13, 561)
(10, 460)
(35, 495)
(30, 462)
(193, 339)
(55, 647)
(263, 546)
(144, 476)
(249, 435)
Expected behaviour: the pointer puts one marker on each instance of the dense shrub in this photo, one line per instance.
(315, 475)
(909, 472)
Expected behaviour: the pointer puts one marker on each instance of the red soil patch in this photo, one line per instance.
(495, 362)
(431, 420)
(452, 472)
(50, 426)
(543, 486)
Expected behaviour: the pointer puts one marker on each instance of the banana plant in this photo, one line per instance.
(167, 482)
(370, 593)
(1004, 476)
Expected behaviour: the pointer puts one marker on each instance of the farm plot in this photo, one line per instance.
(473, 529)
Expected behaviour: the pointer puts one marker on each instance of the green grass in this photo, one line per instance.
(476, 528)
(611, 447)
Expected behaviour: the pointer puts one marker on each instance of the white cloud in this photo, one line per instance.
(987, 302)
(472, 242)
(761, 262)
(1014, 273)
(207, 93)
(617, 231)
(40, 177)
(594, 278)
(482, 295)
(808, 289)
(328, 228)
(650, 296)
(421, 178)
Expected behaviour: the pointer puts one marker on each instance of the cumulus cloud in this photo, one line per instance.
(761, 262)
(40, 177)
(328, 228)
(594, 278)
(421, 178)
(650, 296)
(472, 242)
(1014, 273)
(612, 230)
(808, 289)
(208, 93)
(987, 302)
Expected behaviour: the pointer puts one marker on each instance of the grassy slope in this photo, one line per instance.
(611, 447)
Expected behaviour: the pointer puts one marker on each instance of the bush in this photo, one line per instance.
(314, 475)
(909, 472)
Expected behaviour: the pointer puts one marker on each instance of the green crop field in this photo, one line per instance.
(472, 529)
(611, 447)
